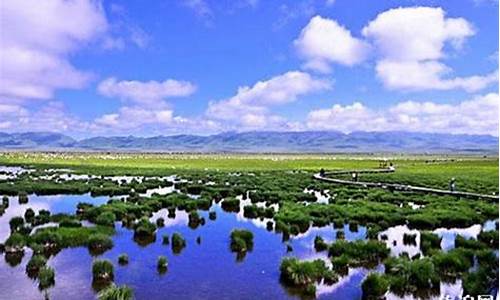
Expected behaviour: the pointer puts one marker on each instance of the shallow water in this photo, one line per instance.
(54, 204)
(201, 271)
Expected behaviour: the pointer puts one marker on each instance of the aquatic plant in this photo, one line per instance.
(162, 263)
(302, 274)
(194, 220)
(410, 239)
(166, 239)
(230, 205)
(374, 286)
(178, 242)
(98, 243)
(241, 240)
(102, 270)
(23, 197)
(123, 259)
(405, 275)
(144, 228)
(320, 244)
(16, 223)
(429, 242)
(34, 265)
(160, 222)
(15, 243)
(489, 238)
(46, 277)
(114, 292)
(106, 218)
(359, 252)
(453, 262)
(468, 243)
(29, 215)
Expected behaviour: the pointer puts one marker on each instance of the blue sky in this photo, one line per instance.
(89, 68)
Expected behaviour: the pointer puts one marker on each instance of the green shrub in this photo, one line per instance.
(166, 239)
(212, 215)
(374, 286)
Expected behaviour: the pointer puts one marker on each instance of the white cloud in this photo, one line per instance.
(147, 93)
(410, 43)
(421, 75)
(130, 117)
(250, 105)
(324, 41)
(37, 37)
(416, 33)
(52, 116)
(150, 121)
(476, 116)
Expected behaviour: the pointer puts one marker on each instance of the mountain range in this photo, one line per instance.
(261, 141)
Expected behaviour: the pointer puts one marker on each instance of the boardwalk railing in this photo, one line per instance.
(326, 176)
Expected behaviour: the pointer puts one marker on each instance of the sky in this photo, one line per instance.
(145, 68)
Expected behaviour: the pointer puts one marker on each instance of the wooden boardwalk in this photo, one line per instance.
(395, 186)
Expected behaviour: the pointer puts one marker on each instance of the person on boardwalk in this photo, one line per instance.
(452, 185)
(322, 172)
(355, 176)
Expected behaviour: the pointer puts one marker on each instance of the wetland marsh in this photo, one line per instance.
(243, 227)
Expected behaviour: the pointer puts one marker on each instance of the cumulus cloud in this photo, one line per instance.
(133, 116)
(410, 43)
(416, 33)
(408, 46)
(250, 105)
(324, 41)
(145, 92)
(478, 115)
(52, 116)
(138, 120)
(422, 75)
(37, 37)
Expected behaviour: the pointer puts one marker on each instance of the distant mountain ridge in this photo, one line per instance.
(261, 141)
